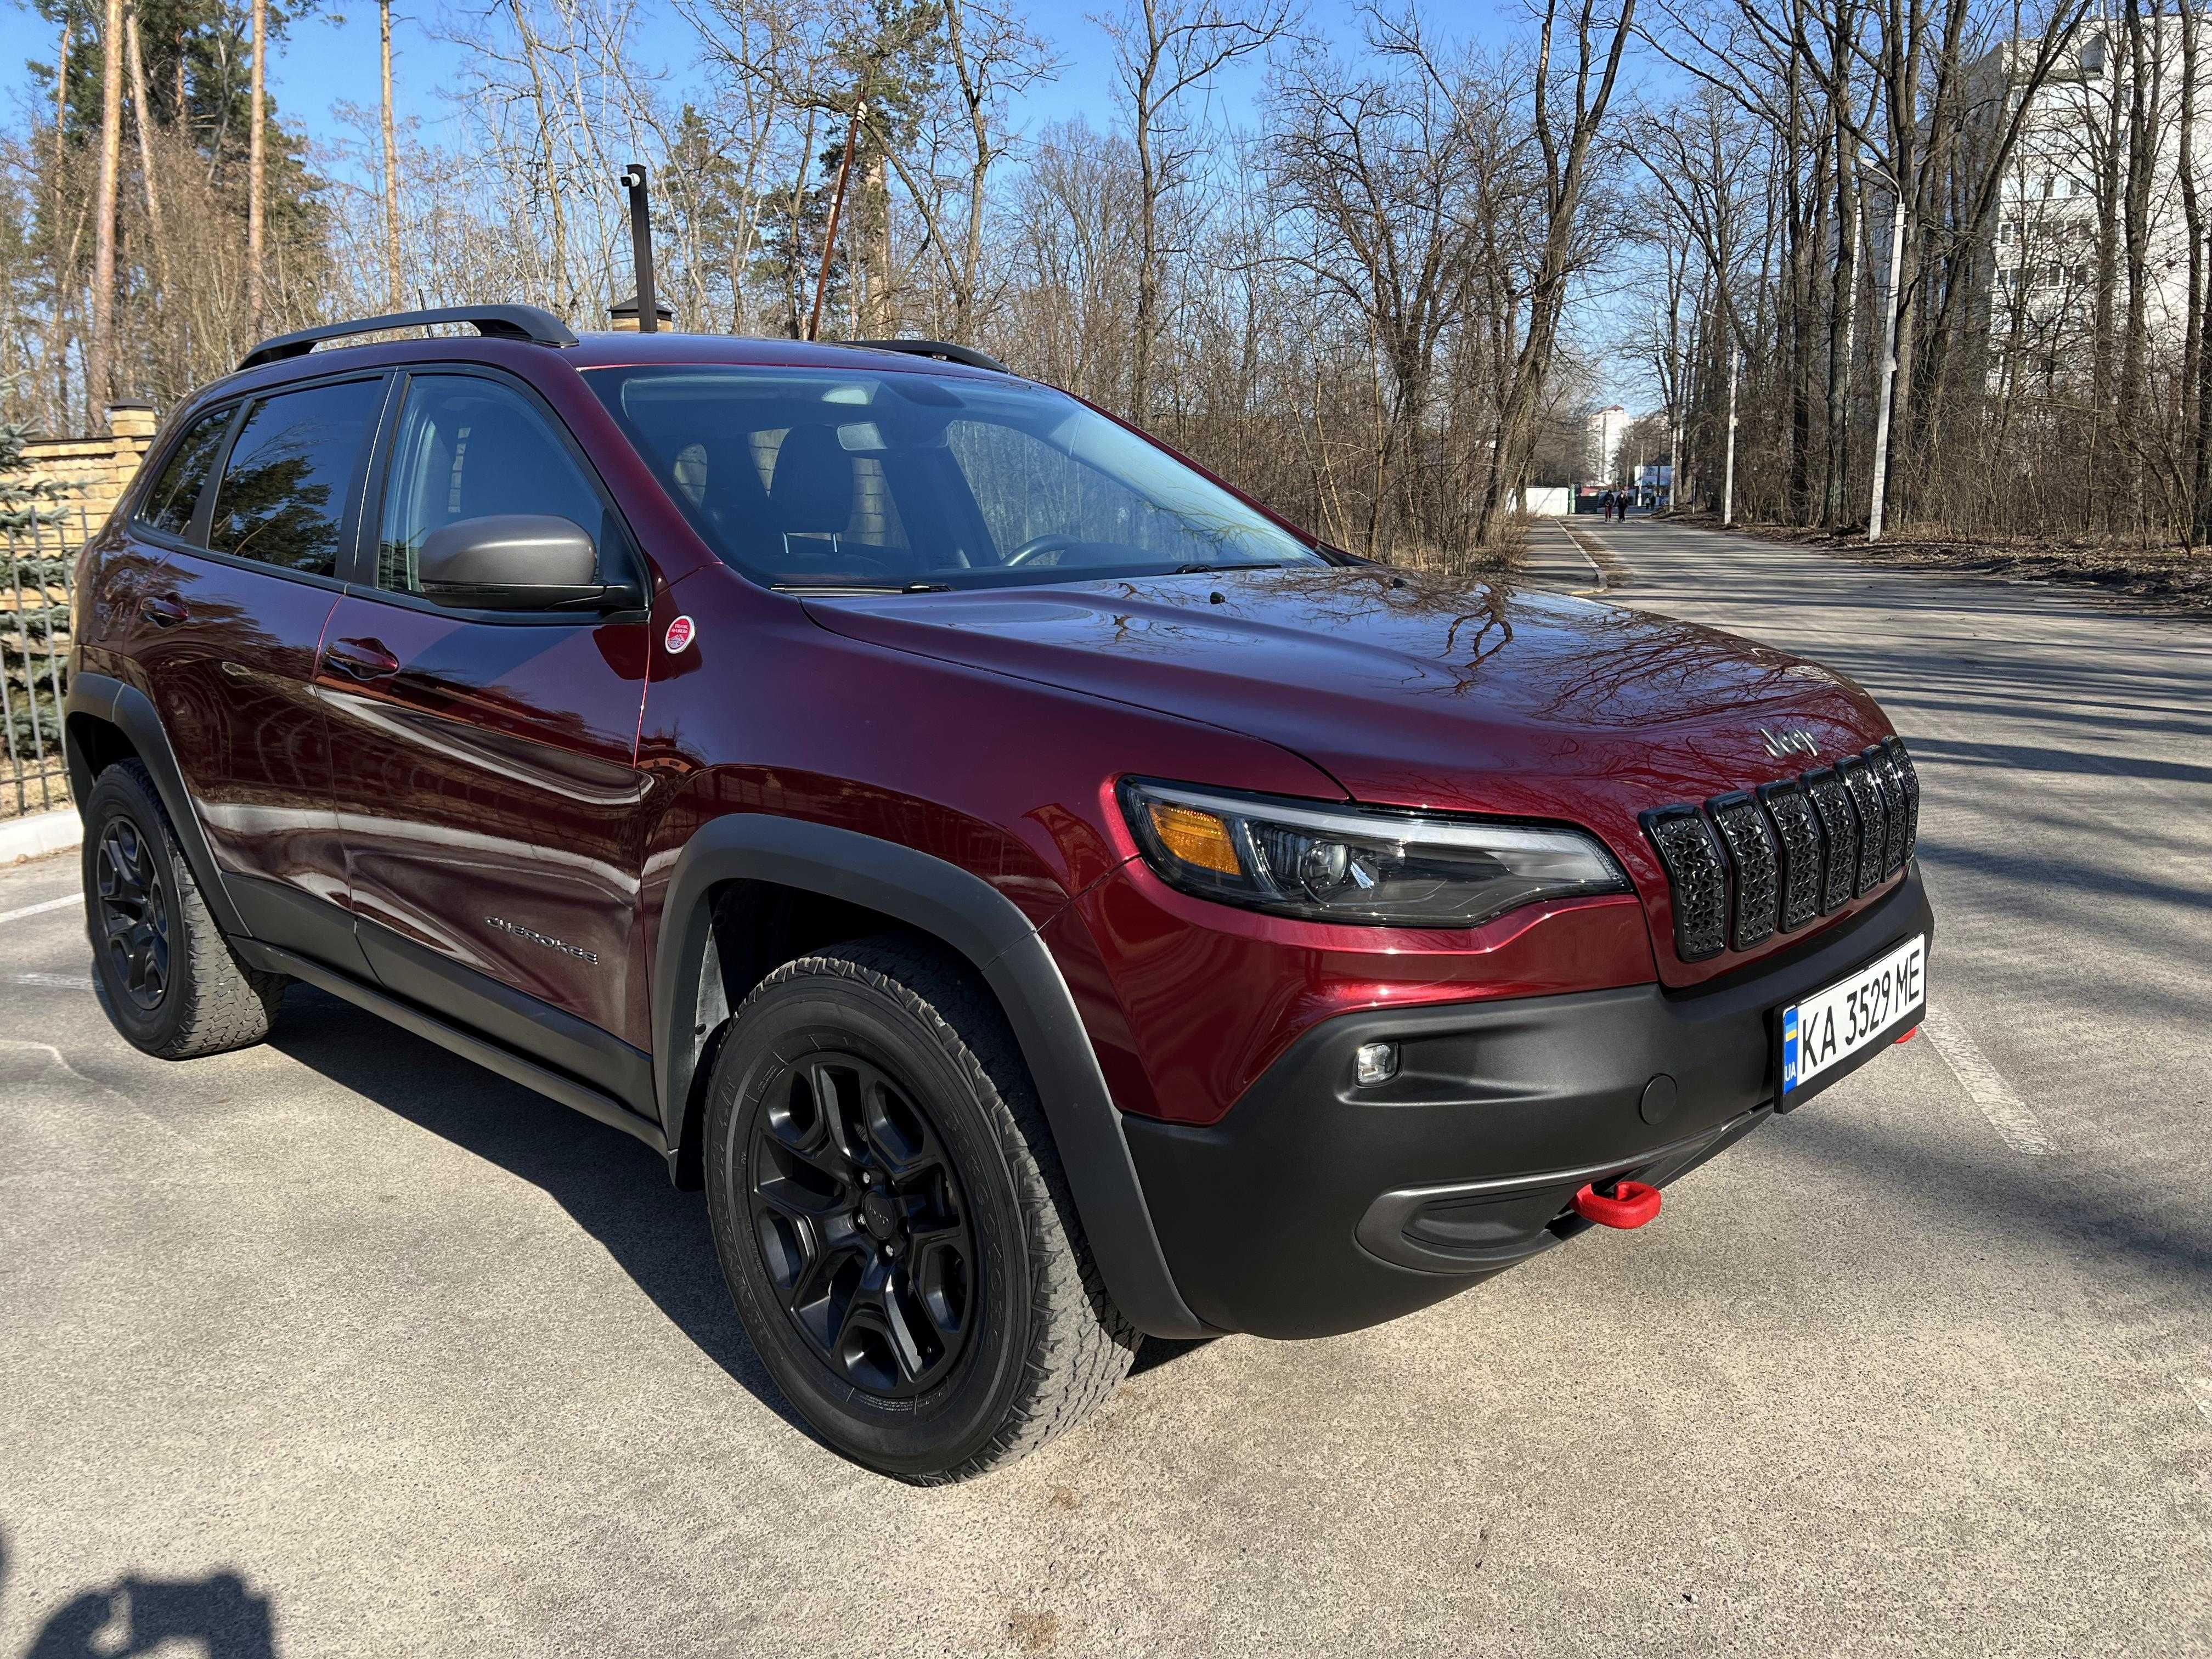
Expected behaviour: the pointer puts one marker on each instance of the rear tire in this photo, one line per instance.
(166, 975)
(893, 1220)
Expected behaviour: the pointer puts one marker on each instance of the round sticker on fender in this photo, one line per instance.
(678, 635)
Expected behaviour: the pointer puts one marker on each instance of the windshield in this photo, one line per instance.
(817, 479)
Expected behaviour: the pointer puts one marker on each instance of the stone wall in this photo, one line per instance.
(100, 468)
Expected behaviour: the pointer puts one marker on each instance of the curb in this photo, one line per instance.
(41, 833)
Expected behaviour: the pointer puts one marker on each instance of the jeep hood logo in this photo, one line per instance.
(1790, 740)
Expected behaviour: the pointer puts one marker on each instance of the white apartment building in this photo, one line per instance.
(2043, 296)
(1606, 428)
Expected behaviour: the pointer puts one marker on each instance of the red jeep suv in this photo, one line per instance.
(1044, 897)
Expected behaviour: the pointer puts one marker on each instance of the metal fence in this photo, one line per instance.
(38, 564)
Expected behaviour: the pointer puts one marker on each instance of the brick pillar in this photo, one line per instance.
(131, 430)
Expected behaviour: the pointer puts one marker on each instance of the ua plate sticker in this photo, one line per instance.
(680, 635)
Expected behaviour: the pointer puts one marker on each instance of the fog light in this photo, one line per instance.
(1374, 1062)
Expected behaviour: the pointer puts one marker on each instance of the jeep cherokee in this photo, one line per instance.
(1042, 896)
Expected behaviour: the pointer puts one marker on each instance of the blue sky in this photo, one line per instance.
(330, 59)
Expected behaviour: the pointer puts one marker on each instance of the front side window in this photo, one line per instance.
(472, 448)
(820, 478)
(283, 492)
(170, 504)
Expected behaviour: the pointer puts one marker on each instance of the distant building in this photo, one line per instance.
(2042, 243)
(1606, 426)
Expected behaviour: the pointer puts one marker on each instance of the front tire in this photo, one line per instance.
(893, 1221)
(166, 975)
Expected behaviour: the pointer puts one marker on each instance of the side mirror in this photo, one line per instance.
(517, 562)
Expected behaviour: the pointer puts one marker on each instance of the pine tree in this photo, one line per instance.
(33, 627)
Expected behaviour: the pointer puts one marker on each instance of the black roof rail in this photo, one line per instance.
(943, 351)
(533, 322)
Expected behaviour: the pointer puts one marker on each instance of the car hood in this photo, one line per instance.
(1413, 691)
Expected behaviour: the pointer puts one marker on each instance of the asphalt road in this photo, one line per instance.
(341, 1347)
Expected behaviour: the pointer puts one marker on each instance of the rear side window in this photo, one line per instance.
(283, 492)
(472, 448)
(176, 494)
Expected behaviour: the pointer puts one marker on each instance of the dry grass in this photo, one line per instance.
(30, 788)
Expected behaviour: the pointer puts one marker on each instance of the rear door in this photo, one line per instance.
(484, 772)
(244, 527)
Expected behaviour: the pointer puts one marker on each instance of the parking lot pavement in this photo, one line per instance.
(340, 1346)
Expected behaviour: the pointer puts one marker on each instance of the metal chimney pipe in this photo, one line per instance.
(641, 247)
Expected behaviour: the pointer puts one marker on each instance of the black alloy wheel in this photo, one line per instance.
(861, 1225)
(134, 913)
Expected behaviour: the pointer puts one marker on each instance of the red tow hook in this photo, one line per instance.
(1629, 1203)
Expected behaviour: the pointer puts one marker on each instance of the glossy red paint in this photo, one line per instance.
(1415, 693)
(228, 654)
(1187, 1002)
(486, 782)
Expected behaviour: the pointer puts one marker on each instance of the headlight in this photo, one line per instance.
(1357, 863)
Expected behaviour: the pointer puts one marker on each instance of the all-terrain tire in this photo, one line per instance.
(1049, 1345)
(210, 1002)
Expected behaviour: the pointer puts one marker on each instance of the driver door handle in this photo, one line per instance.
(164, 611)
(361, 660)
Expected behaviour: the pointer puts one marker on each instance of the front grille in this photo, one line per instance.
(1743, 866)
(1752, 874)
(1873, 821)
(1696, 878)
(1797, 832)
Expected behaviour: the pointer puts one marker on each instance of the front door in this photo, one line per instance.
(485, 775)
(244, 528)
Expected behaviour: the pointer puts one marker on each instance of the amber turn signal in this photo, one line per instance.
(1195, 837)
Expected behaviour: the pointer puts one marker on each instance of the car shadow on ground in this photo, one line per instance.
(616, 1189)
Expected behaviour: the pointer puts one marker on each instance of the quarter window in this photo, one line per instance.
(175, 496)
(283, 492)
(472, 448)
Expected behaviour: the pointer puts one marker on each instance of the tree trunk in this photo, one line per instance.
(395, 288)
(142, 118)
(257, 170)
(55, 350)
(99, 360)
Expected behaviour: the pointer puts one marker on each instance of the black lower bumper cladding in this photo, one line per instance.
(1317, 1205)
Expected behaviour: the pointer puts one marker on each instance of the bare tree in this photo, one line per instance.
(1163, 50)
(1598, 44)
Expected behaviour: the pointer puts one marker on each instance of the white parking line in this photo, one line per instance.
(2007, 1112)
(62, 904)
(53, 981)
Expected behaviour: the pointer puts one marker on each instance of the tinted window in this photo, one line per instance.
(470, 448)
(283, 492)
(170, 503)
(817, 478)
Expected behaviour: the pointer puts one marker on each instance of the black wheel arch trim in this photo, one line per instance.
(985, 928)
(131, 711)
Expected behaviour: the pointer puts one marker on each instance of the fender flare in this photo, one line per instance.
(131, 711)
(985, 928)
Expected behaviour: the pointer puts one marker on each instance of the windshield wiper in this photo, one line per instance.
(863, 587)
(1212, 569)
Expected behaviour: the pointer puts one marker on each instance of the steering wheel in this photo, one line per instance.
(1037, 546)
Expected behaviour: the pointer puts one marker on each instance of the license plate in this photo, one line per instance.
(1858, 1012)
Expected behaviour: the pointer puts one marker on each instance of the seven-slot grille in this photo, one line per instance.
(1745, 865)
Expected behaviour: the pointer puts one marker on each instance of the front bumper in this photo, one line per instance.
(1316, 1205)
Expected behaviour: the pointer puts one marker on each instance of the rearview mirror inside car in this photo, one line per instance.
(517, 562)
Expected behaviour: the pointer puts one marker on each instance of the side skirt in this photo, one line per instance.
(592, 1102)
